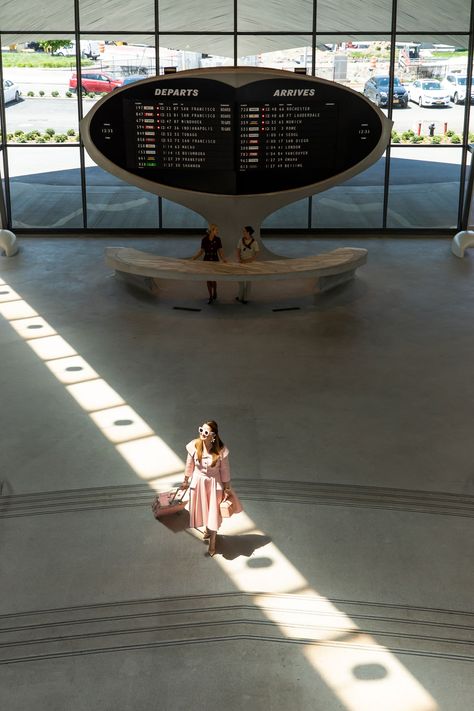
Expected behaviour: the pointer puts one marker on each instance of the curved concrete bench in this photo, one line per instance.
(147, 270)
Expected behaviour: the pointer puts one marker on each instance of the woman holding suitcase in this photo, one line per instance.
(207, 475)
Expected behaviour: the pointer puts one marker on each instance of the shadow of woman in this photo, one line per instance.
(176, 522)
(231, 547)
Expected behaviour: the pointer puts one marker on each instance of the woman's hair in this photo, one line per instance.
(249, 229)
(216, 446)
(212, 227)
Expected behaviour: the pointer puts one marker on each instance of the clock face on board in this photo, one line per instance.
(267, 136)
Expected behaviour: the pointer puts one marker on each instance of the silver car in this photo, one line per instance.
(456, 85)
(428, 92)
(11, 92)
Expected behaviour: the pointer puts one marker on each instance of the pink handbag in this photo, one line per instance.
(166, 503)
(227, 508)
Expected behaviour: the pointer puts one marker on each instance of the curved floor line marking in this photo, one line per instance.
(405, 500)
(304, 599)
(367, 648)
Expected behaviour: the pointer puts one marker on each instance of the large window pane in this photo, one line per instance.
(468, 198)
(352, 59)
(176, 216)
(45, 187)
(424, 187)
(3, 197)
(433, 73)
(357, 203)
(354, 16)
(274, 17)
(113, 203)
(286, 52)
(116, 62)
(451, 16)
(202, 16)
(112, 15)
(42, 15)
(294, 215)
(40, 107)
(195, 51)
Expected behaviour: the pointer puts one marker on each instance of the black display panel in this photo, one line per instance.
(267, 136)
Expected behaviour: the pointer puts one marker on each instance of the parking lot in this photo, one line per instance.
(60, 114)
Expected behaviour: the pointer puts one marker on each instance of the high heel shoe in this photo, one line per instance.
(206, 535)
(212, 545)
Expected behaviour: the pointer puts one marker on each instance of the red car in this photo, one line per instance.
(95, 82)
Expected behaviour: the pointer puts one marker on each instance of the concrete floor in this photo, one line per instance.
(348, 582)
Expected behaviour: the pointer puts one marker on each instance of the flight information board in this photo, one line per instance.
(174, 134)
(285, 136)
(265, 136)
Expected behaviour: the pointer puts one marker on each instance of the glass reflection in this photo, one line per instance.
(277, 18)
(45, 187)
(357, 203)
(349, 16)
(178, 216)
(452, 16)
(195, 51)
(44, 12)
(289, 52)
(424, 187)
(110, 15)
(113, 203)
(204, 16)
(294, 216)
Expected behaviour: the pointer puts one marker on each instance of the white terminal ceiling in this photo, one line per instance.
(20, 21)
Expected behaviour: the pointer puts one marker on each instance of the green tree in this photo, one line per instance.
(53, 45)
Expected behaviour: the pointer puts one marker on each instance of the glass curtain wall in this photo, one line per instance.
(412, 59)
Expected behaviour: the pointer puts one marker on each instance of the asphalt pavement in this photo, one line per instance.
(30, 113)
(61, 114)
(451, 117)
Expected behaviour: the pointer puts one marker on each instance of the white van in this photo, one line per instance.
(89, 48)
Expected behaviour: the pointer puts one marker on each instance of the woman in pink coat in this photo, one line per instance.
(207, 475)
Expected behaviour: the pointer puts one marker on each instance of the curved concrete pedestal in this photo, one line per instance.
(8, 243)
(461, 242)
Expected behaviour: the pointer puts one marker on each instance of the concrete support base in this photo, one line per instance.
(330, 282)
(461, 242)
(144, 283)
(8, 243)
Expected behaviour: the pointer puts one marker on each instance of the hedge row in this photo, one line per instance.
(47, 136)
(450, 137)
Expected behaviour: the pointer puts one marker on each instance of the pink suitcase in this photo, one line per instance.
(167, 503)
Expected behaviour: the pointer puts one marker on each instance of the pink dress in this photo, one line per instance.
(206, 487)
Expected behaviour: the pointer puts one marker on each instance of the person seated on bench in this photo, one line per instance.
(211, 247)
(247, 251)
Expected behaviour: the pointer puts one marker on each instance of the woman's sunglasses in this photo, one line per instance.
(205, 432)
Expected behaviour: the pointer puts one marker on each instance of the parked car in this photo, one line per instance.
(95, 82)
(377, 87)
(35, 46)
(89, 49)
(11, 92)
(456, 85)
(132, 79)
(428, 92)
